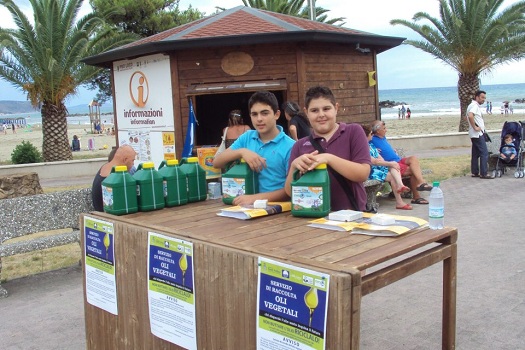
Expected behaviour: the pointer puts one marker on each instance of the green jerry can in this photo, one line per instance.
(239, 180)
(174, 183)
(119, 192)
(196, 176)
(149, 187)
(311, 193)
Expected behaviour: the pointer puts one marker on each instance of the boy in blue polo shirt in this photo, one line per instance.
(265, 149)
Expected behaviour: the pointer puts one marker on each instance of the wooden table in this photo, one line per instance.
(225, 257)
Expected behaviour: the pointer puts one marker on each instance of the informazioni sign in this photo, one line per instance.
(142, 92)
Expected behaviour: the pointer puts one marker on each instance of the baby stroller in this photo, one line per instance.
(516, 130)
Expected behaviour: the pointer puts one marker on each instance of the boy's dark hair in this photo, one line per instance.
(479, 92)
(264, 97)
(318, 92)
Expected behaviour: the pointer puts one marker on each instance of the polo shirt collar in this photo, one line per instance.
(279, 136)
(341, 129)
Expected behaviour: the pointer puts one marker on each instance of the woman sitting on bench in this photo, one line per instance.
(386, 171)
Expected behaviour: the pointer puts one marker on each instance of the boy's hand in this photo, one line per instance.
(245, 199)
(306, 162)
(254, 161)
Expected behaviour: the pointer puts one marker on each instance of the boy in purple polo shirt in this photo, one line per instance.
(345, 148)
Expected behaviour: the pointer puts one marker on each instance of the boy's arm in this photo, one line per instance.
(356, 172)
(255, 161)
(273, 196)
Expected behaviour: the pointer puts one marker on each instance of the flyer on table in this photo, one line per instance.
(171, 297)
(292, 306)
(99, 251)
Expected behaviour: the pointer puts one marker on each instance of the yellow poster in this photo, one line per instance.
(168, 145)
(206, 155)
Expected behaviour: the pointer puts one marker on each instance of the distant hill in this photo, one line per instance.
(12, 107)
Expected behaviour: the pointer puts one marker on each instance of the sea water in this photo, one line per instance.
(423, 102)
(429, 102)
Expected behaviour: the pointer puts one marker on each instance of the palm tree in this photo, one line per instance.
(293, 8)
(473, 37)
(43, 58)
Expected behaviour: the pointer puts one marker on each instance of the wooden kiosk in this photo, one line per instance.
(225, 259)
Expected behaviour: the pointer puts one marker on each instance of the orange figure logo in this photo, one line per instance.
(139, 89)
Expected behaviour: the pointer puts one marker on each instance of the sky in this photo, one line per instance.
(399, 68)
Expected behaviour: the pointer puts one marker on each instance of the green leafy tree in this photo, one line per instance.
(296, 8)
(144, 18)
(473, 37)
(42, 57)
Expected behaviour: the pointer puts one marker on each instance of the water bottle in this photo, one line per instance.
(436, 208)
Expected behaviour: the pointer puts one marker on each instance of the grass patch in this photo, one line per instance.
(444, 168)
(26, 264)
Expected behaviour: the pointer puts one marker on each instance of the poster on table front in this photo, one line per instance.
(171, 298)
(99, 253)
(292, 306)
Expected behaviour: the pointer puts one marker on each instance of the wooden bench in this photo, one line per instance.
(23, 216)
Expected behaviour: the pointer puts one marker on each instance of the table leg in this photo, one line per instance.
(449, 300)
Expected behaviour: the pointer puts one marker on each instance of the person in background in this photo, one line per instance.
(13, 128)
(266, 150)
(345, 147)
(386, 171)
(408, 113)
(75, 144)
(235, 127)
(409, 166)
(299, 126)
(476, 127)
(123, 155)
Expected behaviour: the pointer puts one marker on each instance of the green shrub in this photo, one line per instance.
(25, 153)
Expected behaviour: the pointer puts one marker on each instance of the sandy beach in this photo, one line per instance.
(395, 127)
(34, 135)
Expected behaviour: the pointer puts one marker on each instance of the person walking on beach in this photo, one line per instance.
(403, 110)
(476, 128)
(13, 128)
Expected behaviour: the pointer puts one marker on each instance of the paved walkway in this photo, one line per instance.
(45, 311)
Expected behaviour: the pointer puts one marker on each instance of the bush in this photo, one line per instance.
(26, 153)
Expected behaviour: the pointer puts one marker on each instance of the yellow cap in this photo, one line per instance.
(193, 160)
(172, 162)
(148, 165)
(320, 167)
(121, 168)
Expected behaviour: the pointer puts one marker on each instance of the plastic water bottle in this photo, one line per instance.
(436, 208)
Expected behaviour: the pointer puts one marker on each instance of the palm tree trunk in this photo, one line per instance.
(55, 146)
(467, 87)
